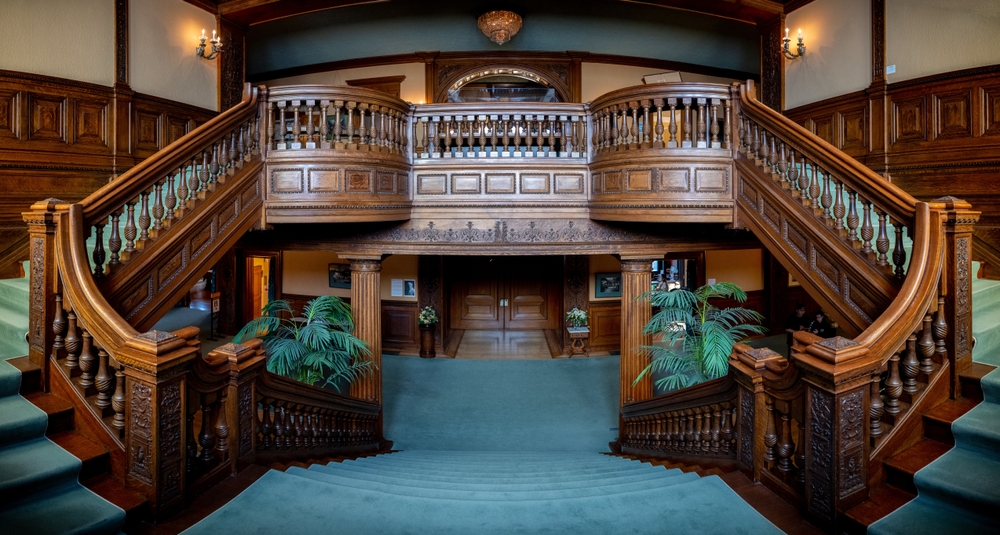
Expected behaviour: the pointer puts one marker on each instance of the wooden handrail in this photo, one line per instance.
(294, 392)
(714, 391)
(336, 92)
(661, 91)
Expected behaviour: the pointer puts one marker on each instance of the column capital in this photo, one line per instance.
(365, 264)
(637, 265)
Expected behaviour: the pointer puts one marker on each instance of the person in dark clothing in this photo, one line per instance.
(821, 326)
(798, 321)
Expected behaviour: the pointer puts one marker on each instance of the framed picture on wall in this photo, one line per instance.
(340, 276)
(607, 284)
(409, 288)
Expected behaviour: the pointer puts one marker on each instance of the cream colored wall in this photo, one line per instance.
(925, 37)
(602, 263)
(398, 267)
(597, 79)
(837, 35)
(411, 89)
(308, 273)
(72, 39)
(162, 37)
(743, 267)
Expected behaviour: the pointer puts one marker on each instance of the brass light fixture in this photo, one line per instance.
(500, 26)
(216, 46)
(788, 53)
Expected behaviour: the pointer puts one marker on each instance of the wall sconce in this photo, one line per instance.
(788, 53)
(216, 46)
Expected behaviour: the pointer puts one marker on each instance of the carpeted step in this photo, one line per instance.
(704, 505)
(432, 463)
(449, 475)
(68, 509)
(19, 419)
(927, 517)
(963, 479)
(478, 483)
(523, 493)
(34, 465)
(979, 429)
(991, 387)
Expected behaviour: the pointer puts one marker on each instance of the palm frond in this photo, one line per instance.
(257, 328)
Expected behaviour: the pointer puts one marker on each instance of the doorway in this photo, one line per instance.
(261, 285)
(504, 292)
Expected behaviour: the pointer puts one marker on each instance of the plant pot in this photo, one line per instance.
(427, 341)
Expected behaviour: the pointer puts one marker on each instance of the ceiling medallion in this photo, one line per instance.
(500, 26)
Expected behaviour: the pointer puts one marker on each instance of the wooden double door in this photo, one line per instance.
(504, 292)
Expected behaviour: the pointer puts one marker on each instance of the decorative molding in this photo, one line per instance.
(121, 42)
(504, 231)
(232, 70)
(820, 457)
(140, 461)
(247, 414)
(878, 41)
(772, 63)
(170, 462)
(746, 435)
(852, 460)
(37, 294)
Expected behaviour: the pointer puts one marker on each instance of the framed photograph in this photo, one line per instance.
(340, 276)
(607, 284)
(409, 288)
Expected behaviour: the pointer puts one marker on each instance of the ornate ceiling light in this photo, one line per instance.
(500, 26)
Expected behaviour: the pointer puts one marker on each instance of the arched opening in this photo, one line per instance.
(502, 84)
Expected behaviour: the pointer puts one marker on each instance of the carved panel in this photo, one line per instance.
(250, 194)
(201, 240)
(534, 183)
(639, 180)
(991, 110)
(359, 180)
(612, 182)
(399, 324)
(952, 113)
(227, 214)
(827, 269)
(466, 183)
(177, 127)
(500, 183)
(284, 181)
(750, 195)
(819, 457)
(771, 216)
(798, 240)
(169, 269)
(8, 114)
(909, 120)
(147, 131)
(854, 130)
(851, 416)
(91, 123)
(711, 180)
(675, 179)
(37, 293)
(746, 436)
(772, 69)
(962, 275)
(141, 295)
(248, 420)
(170, 461)
(576, 282)
(46, 118)
(140, 409)
(432, 184)
(385, 182)
(323, 179)
(568, 183)
(861, 302)
(605, 325)
(823, 128)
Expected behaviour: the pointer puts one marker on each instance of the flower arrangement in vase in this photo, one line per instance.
(576, 317)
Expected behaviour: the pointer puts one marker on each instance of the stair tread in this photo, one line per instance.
(963, 478)
(80, 446)
(883, 500)
(115, 492)
(979, 429)
(918, 456)
(951, 410)
(50, 404)
(929, 517)
(977, 371)
(32, 465)
(61, 510)
(20, 420)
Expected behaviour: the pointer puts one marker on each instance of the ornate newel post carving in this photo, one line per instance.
(748, 364)
(366, 306)
(838, 379)
(156, 366)
(245, 362)
(636, 280)
(44, 275)
(957, 281)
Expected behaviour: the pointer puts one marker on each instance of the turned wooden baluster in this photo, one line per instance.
(158, 206)
(338, 129)
(893, 387)
(882, 242)
(118, 400)
(281, 429)
(206, 438)
(281, 131)
(814, 188)
(518, 127)
(706, 429)
(103, 381)
(182, 194)
(714, 130)
(773, 155)
(296, 125)
(693, 432)
(72, 343)
(716, 432)
(672, 128)
(826, 200)
(98, 251)
(221, 427)
(114, 242)
(87, 361)
(875, 410)
(324, 124)
(270, 125)
(350, 125)
(494, 137)
(310, 128)
(144, 219)
(728, 125)
(727, 428)
(898, 252)
(839, 209)
(130, 230)
(702, 130)
(481, 125)
(785, 448)
(634, 129)
(614, 129)
(448, 133)
(224, 162)
(925, 347)
(742, 141)
(770, 432)
(852, 218)
(194, 184)
(551, 150)
(909, 367)
(297, 426)
(782, 163)
(687, 123)
(765, 152)
(657, 124)
(307, 431)
(793, 173)
(506, 138)
(867, 229)
(940, 330)
(266, 426)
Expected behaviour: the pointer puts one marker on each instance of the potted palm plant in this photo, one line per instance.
(704, 333)
(427, 320)
(316, 346)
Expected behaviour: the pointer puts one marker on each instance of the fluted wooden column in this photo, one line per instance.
(366, 307)
(636, 280)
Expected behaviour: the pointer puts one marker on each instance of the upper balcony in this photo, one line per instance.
(654, 153)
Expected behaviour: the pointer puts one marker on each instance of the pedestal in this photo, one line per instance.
(579, 336)
(427, 341)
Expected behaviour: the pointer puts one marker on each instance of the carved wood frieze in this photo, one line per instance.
(247, 414)
(820, 457)
(140, 436)
(170, 461)
(746, 440)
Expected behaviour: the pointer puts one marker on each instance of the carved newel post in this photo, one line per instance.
(44, 275)
(245, 363)
(748, 365)
(956, 318)
(366, 307)
(636, 280)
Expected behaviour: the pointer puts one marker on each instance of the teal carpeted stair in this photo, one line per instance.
(441, 492)
(39, 492)
(959, 492)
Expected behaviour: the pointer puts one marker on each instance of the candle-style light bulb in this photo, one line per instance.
(786, 33)
(800, 34)
(203, 32)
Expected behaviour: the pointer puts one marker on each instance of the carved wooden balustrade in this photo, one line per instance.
(693, 422)
(170, 207)
(336, 154)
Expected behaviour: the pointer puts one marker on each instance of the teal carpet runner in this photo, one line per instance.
(491, 447)
(39, 492)
(960, 491)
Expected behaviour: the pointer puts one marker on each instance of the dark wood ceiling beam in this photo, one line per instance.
(208, 5)
(257, 11)
(752, 11)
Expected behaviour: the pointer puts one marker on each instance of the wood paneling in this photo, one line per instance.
(399, 326)
(605, 325)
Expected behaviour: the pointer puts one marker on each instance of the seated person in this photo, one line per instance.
(796, 322)
(821, 326)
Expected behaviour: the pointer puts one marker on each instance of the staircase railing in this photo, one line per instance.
(176, 421)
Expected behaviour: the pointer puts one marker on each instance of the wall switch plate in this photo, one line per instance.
(711, 281)
(891, 69)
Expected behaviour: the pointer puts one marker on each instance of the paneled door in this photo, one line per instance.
(517, 293)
